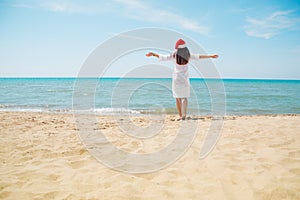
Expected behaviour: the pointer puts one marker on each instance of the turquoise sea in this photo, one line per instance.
(150, 95)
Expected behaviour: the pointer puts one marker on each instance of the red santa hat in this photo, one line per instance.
(180, 44)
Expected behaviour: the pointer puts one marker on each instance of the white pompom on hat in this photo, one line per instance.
(180, 44)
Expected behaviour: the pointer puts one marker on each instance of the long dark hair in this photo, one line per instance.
(182, 56)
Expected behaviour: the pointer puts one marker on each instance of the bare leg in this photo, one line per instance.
(184, 103)
(178, 105)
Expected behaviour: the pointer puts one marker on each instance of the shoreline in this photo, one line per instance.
(256, 157)
(71, 113)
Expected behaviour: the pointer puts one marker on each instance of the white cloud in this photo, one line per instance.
(140, 11)
(65, 6)
(78, 7)
(58, 7)
(271, 25)
(133, 9)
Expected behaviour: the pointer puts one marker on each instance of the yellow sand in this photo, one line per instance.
(257, 157)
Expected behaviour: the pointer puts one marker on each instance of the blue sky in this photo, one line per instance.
(255, 39)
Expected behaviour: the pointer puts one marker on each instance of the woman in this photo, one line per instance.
(180, 80)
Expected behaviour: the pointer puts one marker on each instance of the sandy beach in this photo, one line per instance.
(256, 157)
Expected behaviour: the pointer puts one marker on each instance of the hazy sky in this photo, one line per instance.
(255, 39)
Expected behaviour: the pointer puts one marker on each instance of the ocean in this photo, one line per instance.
(150, 95)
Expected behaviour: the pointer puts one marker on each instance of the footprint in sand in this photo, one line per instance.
(294, 154)
(295, 171)
(77, 164)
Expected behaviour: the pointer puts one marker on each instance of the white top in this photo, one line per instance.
(180, 79)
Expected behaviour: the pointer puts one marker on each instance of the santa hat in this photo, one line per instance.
(180, 44)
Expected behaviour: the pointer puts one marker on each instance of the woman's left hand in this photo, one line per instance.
(149, 54)
(214, 56)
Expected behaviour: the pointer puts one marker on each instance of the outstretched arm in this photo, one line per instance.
(161, 57)
(152, 54)
(209, 56)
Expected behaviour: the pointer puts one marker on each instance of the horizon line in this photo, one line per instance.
(117, 77)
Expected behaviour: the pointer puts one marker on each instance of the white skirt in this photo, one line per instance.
(181, 85)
